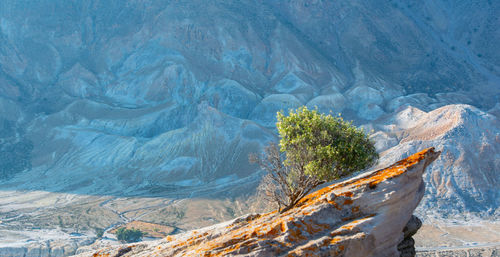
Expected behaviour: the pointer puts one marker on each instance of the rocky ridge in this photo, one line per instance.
(362, 216)
(464, 178)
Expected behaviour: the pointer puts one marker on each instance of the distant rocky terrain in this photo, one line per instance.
(464, 180)
(484, 251)
(121, 110)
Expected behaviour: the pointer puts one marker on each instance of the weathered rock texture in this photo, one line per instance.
(166, 99)
(363, 216)
(109, 97)
(465, 177)
(407, 247)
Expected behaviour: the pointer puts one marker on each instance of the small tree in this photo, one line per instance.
(314, 148)
(99, 232)
(129, 235)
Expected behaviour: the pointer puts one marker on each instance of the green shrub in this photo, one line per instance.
(99, 232)
(314, 148)
(327, 147)
(129, 235)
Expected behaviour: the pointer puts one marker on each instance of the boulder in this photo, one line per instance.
(362, 216)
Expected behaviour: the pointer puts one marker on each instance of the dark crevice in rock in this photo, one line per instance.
(407, 247)
(123, 251)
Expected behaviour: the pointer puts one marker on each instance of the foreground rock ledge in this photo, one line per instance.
(363, 216)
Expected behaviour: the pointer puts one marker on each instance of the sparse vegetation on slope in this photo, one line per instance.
(129, 235)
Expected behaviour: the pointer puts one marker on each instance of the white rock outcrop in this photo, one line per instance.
(464, 179)
(362, 216)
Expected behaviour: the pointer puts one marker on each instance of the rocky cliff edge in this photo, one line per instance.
(362, 216)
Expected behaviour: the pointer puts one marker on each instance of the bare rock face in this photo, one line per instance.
(362, 216)
(464, 179)
(407, 247)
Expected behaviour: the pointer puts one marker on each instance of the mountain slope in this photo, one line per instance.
(465, 177)
(128, 74)
(105, 100)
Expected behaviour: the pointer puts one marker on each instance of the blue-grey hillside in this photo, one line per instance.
(167, 98)
(128, 75)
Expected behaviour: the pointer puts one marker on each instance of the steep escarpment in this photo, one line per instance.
(363, 216)
(465, 178)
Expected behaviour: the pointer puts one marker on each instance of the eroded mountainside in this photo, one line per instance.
(465, 178)
(120, 110)
(161, 98)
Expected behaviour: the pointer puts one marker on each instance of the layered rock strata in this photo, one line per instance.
(362, 216)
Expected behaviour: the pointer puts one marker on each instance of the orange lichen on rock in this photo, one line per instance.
(347, 194)
(272, 225)
(312, 248)
(295, 235)
(271, 231)
(324, 221)
(333, 241)
(394, 170)
(313, 228)
(348, 201)
(310, 198)
(335, 205)
(371, 180)
(101, 255)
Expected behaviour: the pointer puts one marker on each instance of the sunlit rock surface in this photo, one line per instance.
(362, 216)
(464, 179)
